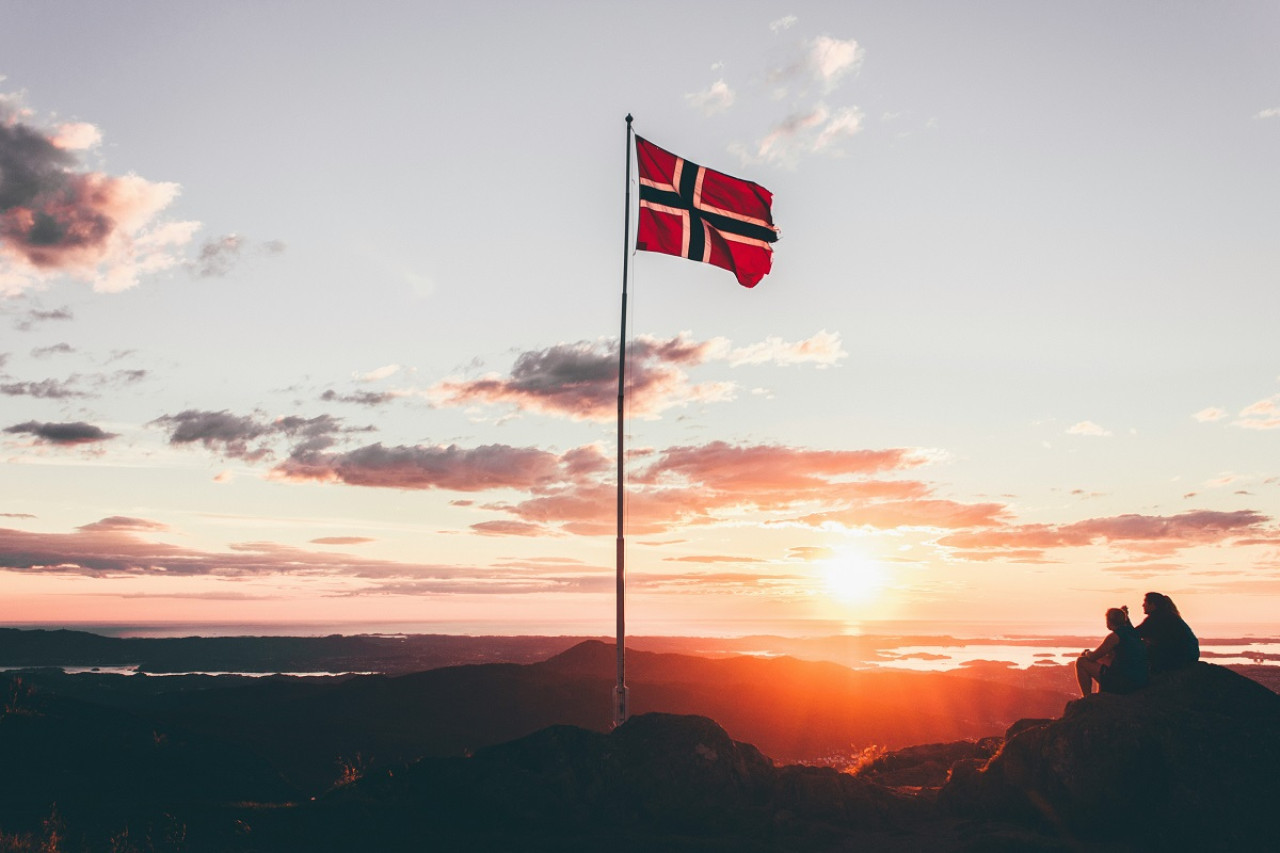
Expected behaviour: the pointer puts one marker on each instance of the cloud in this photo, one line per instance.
(219, 256)
(47, 389)
(843, 124)
(1209, 415)
(56, 218)
(1088, 428)
(222, 431)
(1141, 533)
(76, 136)
(580, 380)
(1264, 414)
(251, 438)
(717, 98)
(380, 373)
(929, 513)
(508, 528)
(805, 83)
(715, 482)
(122, 523)
(65, 434)
(823, 349)
(830, 59)
(55, 349)
(493, 466)
(117, 547)
(341, 540)
(784, 23)
(1270, 112)
(814, 129)
(360, 398)
(35, 316)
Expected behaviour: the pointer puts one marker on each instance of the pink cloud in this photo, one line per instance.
(509, 528)
(914, 513)
(1264, 414)
(1141, 533)
(116, 547)
(56, 218)
(713, 482)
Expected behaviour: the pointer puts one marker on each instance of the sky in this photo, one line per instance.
(309, 315)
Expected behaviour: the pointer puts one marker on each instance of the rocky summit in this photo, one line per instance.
(1189, 763)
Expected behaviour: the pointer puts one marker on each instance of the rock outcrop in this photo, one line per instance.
(1189, 763)
(658, 779)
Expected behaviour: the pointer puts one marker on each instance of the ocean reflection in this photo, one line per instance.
(923, 658)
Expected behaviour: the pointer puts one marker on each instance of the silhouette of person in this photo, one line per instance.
(1171, 644)
(1119, 664)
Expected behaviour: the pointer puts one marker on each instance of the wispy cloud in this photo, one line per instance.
(823, 350)
(219, 256)
(1270, 112)
(1209, 415)
(54, 349)
(830, 59)
(805, 82)
(251, 437)
(36, 316)
(119, 547)
(360, 398)
(48, 389)
(1146, 534)
(716, 98)
(1264, 414)
(1088, 428)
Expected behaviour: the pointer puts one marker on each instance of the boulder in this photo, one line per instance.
(1191, 761)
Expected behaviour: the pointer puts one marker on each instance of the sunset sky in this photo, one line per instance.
(309, 314)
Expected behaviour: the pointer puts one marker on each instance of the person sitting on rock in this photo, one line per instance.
(1171, 644)
(1119, 664)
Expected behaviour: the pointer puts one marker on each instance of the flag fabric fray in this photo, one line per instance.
(703, 215)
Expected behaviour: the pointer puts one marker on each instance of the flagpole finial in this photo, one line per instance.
(628, 118)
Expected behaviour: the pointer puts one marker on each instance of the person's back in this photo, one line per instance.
(1171, 644)
(1129, 668)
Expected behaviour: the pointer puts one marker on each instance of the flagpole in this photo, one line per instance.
(620, 690)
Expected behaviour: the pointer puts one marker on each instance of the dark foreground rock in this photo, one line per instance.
(1190, 763)
(660, 781)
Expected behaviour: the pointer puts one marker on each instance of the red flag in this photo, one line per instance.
(703, 215)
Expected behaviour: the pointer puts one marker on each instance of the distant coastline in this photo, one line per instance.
(390, 649)
(711, 629)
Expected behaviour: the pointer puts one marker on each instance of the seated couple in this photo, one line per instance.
(1129, 655)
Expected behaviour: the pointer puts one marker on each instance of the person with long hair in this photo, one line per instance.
(1171, 644)
(1119, 664)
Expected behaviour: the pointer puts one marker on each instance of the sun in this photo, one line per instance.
(853, 578)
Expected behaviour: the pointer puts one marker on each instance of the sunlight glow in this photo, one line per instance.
(852, 577)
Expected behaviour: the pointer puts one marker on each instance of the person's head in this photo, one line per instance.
(1118, 617)
(1158, 602)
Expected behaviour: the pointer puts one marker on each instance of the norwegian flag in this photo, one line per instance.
(703, 215)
